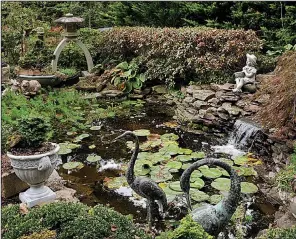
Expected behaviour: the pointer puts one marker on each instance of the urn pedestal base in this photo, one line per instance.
(36, 195)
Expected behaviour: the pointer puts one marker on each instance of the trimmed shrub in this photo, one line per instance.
(168, 54)
(188, 229)
(69, 220)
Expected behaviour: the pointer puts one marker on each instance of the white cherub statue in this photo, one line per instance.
(247, 75)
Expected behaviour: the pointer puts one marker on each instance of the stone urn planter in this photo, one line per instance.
(35, 170)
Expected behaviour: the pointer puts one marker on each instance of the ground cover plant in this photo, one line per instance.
(64, 110)
(68, 220)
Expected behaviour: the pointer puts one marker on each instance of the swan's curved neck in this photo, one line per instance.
(130, 175)
(228, 204)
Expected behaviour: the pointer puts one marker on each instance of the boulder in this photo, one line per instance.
(11, 185)
(203, 94)
(225, 87)
(188, 99)
(66, 195)
(232, 109)
(229, 96)
(192, 88)
(199, 104)
(136, 96)
(252, 108)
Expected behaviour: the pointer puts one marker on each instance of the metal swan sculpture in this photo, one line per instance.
(145, 187)
(213, 218)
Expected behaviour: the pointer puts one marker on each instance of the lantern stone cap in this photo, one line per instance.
(69, 18)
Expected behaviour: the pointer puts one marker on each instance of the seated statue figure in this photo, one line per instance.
(247, 75)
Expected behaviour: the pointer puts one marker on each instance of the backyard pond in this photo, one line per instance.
(94, 165)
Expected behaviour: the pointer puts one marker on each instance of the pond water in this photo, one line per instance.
(90, 181)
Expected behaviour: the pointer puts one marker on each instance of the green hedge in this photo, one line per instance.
(70, 220)
(169, 54)
(279, 233)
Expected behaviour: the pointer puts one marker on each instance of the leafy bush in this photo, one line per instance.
(33, 131)
(188, 229)
(70, 220)
(127, 76)
(207, 55)
(279, 233)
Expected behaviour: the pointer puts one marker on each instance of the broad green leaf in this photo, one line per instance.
(175, 186)
(195, 175)
(241, 160)
(248, 188)
(141, 132)
(198, 183)
(239, 170)
(184, 151)
(115, 183)
(93, 158)
(73, 165)
(211, 172)
(221, 184)
(80, 137)
(198, 155)
(198, 196)
(184, 158)
(127, 87)
(228, 161)
(170, 150)
(169, 137)
(174, 165)
(122, 65)
(250, 171)
(92, 146)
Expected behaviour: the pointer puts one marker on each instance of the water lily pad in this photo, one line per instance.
(168, 143)
(198, 155)
(142, 167)
(184, 151)
(95, 127)
(115, 183)
(241, 160)
(169, 150)
(211, 172)
(175, 186)
(248, 188)
(160, 174)
(183, 158)
(142, 132)
(221, 184)
(73, 165)
(239, 170)
(195, 175)
(198, 196)
(73, 146)
(130, 145)
(169, 137)
(158, 158)
(250, 171)
(92, 146)
(80, 137)
(148, 145)
(198, 183)
(64, 150)
(173, 170)
(174, 165)
(228, 161)
(224, 172)
(216, 198)
(93, 158)
(185, 165)
(144, 155)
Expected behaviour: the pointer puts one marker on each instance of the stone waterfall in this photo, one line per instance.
(244, 133)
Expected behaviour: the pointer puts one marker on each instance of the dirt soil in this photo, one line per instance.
(45, 147)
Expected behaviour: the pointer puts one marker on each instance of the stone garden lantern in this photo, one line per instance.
(70, 25)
